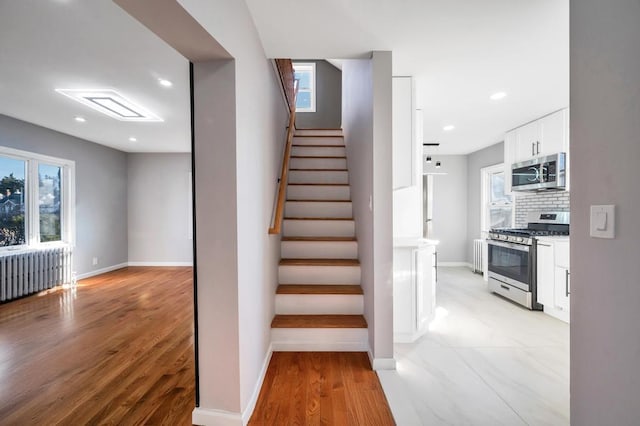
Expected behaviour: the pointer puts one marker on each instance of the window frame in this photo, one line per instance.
(310, 66)
(32, 191)
(486, 203)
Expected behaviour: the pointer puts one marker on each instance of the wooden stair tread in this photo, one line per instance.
(320, 146)
(318, 218)
(318, 170)
(318, 136)
(318, 321)
(319, 262)
(319, 184)
(319, 156)
(318, 239)
(319, 289)
(297, 200)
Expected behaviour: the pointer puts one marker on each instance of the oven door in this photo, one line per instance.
(510, 263)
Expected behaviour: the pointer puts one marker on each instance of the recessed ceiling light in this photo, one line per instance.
(498, 95)
(111, 103)
(448, 127)
(165, 83)
(80, 119)
(132, 139)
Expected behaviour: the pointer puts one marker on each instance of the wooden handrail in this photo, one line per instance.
(290, 86)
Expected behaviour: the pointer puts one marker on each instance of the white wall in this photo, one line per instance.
(216, 235)
(366, 120)
(605, 273)
(260, 121)
(450, 207)
(159, 209)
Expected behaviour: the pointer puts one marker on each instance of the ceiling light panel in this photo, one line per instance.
(497, 96)
(111, 103)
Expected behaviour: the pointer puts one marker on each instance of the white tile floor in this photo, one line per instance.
(485, 361)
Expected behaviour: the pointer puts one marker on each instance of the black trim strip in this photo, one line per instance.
(195, 248)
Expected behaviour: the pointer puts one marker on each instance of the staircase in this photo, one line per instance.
(319, 301)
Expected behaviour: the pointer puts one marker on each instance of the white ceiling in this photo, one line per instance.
(74, 44)
(459, 52)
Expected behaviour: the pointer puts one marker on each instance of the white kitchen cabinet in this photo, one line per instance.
(510, 140)
(414, 289)
(545, 273)
(404, 145)
(554, 133)
(562, 289)
(527, 141)
(545, 136)
(554, 276)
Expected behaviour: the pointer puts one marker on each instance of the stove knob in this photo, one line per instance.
(519, 239)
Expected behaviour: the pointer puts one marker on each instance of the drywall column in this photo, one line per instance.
(217, 240)
(605, 273)
(366, 118)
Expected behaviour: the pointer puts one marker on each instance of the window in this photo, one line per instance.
(305, 73)
(497, 209)
(36, 199)
(12, 202)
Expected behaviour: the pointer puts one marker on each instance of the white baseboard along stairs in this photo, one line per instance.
(319, 300)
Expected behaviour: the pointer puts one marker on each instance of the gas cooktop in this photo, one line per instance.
(528, 232)
(541, 225)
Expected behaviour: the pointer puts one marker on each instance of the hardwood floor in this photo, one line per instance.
(116, 350)
(328, 388)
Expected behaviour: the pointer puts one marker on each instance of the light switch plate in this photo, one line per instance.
(603, 221)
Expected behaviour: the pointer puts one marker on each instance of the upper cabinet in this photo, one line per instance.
(405, 150)
(545, 136)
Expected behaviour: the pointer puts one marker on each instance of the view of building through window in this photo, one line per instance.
(49, 202)
(12, 202)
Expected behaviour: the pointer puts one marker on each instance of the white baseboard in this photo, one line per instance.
(381, 363)
(160, 263)
(208, 417)
(447, 264)
(248, 411)
(101, 271)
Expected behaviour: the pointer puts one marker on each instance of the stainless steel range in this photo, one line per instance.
(512, 256)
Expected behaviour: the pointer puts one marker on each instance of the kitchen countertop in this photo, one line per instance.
(414, 242)
(553, 238)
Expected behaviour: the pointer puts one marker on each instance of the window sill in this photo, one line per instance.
(8, 251)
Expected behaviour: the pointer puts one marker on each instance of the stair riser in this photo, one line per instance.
(301, 274)
(318, 228)
(320, 304)
(309, 140)
(318, 163)
(317, 192)
(315, 209)
(312, 151)
(320, 339)
(318, 177)
(319, 250)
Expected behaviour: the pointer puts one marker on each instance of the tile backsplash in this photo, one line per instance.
(557, 201)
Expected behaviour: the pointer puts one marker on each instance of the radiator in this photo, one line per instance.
(27, 272)
(477, 256)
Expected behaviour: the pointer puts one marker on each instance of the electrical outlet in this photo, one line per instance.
(95, 261)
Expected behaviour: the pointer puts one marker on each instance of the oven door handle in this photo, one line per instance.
(519, 247)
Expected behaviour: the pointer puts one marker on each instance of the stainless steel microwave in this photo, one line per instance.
(540, 174)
